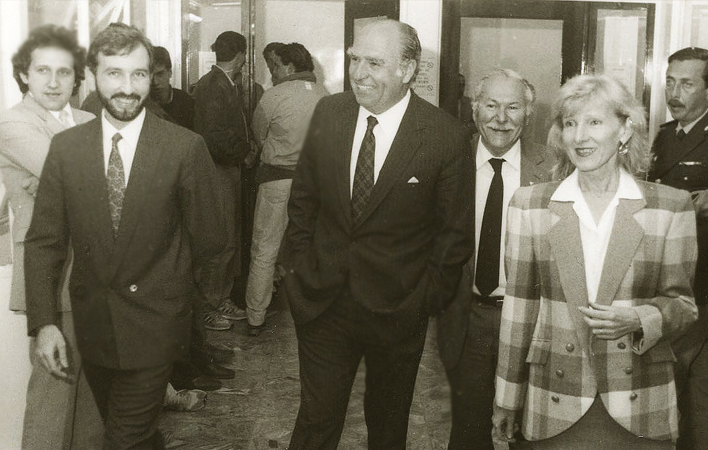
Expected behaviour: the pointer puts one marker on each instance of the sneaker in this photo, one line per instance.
(213, 320)
(185, 400)
(231, 311)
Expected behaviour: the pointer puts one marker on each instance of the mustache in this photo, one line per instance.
(676, 103)
(126, 97)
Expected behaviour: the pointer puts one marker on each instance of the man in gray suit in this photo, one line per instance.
(468, 330)
(49, 68)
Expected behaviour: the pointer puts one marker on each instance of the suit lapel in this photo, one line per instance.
(678, 149)
(137, 191)
(95, 178)
(565, 242)
(50, 122)
(344, 135)
(404, 146)
(625, 238)
(531, 167)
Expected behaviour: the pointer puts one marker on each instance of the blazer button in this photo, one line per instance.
(628, 371)
(555, 399)
(621, 346)
(133, 288)
(633, 396)
(570, 347)
(559, 373)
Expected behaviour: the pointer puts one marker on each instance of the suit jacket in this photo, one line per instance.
(683, 164)
(25, 132)
(220, 117)
(536, 166)
(132, 295)
(403, 258)
(549, 361)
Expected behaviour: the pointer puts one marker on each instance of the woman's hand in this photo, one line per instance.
(611, 322)
(504, 421)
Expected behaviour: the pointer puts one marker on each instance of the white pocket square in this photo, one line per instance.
(413, 180)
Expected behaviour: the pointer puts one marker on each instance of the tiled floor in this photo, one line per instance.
(257, 409)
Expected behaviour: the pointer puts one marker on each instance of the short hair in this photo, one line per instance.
(161, 57)
(118, 39)
(297, 55)
(577, 93)
(410, 46)
(272, 47)
(227, 45)
(529, 91)
(49, 36)
(693, 53)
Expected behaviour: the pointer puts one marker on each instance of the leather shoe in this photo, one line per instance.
(202, 382)
(218, 354)
(216, 371)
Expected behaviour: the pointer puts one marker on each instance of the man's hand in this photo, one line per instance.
(611, 322)
(51, 352)
(30, 184)
(504, 421)
(700, 202)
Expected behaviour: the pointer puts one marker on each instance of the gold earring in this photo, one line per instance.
(623, 148)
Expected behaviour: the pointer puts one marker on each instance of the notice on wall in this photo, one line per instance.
(620, 49)
(428, 81)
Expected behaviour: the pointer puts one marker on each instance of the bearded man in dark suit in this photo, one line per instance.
(379, 212)
(133, 195)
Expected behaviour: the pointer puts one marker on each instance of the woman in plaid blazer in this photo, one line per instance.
(599, 282)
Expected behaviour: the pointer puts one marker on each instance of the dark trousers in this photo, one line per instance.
(692, 385)
(330, 350)
(130, 402)
(472, 381)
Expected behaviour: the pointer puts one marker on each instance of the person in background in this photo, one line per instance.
(270, 56)
(599, 272)
(468, 330)
(175, 102)
(220, 117)
(279, 126)
(133, 195)
(376, 240)
(49, 68)
(681, 160)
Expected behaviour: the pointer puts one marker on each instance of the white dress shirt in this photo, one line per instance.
(384, 132)
(126, 146)
(687, 128)
(67, 111)
(511, 177)
(595, 237)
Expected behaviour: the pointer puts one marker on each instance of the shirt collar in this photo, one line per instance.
(66, 108)
(225, 73)
(687, 129)
(130, 133)
(392, 117)
(569, 189)
(512, 156)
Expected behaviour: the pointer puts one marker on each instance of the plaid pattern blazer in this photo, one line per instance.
(550, 365)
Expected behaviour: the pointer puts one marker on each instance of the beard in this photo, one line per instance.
(122, 113)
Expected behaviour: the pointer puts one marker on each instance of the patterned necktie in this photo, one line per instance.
(487, 273)
(681, 134)
(364, 172)
(116, 183)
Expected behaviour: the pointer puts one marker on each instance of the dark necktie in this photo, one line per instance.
(681, 134)
(116, 183)
(487, 274)
(364, 172)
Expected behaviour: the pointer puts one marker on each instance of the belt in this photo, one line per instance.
(492, 300)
